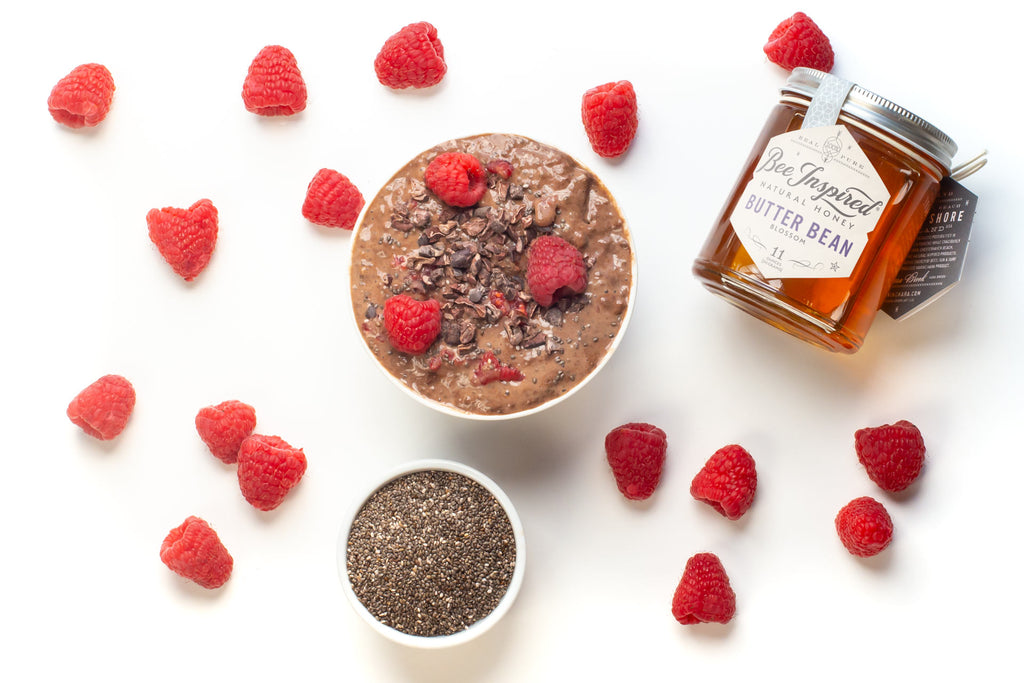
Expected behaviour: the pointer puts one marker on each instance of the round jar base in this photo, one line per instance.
(764, 303)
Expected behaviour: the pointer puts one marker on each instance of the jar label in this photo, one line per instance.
(812, 202)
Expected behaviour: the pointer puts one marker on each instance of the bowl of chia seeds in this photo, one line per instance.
(433, 556)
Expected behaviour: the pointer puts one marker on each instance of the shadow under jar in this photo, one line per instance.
(820, 302)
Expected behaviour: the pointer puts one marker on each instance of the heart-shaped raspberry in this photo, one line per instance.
(185, 237)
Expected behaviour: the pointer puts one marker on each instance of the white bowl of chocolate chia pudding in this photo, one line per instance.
(500, 352)
(433, 556)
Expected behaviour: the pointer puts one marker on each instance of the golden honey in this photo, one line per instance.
(824, 212)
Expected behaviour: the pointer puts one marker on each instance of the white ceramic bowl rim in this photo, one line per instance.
(475, 629)
(456, 412)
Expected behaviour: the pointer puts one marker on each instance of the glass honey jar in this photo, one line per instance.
(825, 210)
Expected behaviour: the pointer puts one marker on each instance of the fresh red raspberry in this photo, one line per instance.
(554, 268)
(490, 369)
(893, 455)
(332, 200)
(609, 117)
(727, 481)
(412, 58)
(83, 97)
(185, 237)
(636, 453)
(864, 527)
(458, 179)
(412, 324)
(274, 84)
(194, 550)
(268, 468)
(102, 409)
(224, 427)
(798, 41)
(704, 593)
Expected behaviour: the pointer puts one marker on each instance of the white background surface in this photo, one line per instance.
(85, 293)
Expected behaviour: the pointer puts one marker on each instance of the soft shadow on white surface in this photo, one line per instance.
(477, 660)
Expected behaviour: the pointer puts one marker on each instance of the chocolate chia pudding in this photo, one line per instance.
(499, 352)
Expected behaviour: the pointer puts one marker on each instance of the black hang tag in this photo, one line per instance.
(936, 261)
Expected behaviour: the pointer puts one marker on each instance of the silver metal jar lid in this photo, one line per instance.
(882, 114)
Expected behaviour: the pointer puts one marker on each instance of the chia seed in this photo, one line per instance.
(431, 553)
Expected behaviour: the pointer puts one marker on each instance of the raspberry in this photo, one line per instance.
(554, 268)
(83, 97)
(636, 453)
(102, 409)
(490, 369)
(412, 324)
(506, 307)
(609, 117)
(798, 41)
(194, 550)
(727, 481)
(500, 168)
(274, 84)
(893, 455)
(864, 527)
(185, 237)
(332, 200)
(458, 179)
(412, 58)
(268, 468)
(224, 426)
(704, 593)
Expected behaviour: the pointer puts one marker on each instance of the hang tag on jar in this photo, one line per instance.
(936, 261)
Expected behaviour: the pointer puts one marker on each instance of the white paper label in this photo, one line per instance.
(810, 206)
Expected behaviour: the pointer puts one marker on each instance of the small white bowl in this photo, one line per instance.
(475, 629)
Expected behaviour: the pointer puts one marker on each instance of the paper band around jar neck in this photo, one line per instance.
(827, 103)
